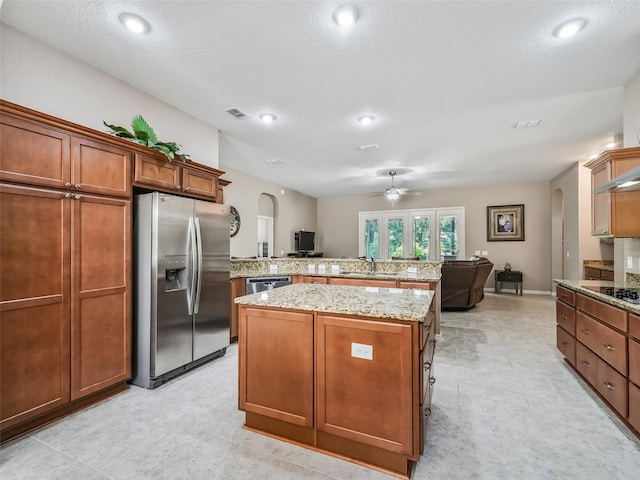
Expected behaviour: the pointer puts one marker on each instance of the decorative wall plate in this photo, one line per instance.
(235, 221)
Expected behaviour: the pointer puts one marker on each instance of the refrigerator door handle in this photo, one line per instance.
(199, 261)
(194, 266)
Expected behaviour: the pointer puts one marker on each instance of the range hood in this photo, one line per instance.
(627, 182)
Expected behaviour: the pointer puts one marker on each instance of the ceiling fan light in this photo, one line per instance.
(392, 194)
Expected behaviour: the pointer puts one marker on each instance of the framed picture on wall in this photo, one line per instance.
(505, 223)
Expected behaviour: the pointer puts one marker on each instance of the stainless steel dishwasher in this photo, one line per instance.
(261, 284)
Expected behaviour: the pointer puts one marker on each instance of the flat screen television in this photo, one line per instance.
(305, 241)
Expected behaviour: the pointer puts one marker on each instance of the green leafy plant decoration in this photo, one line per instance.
(144, 135)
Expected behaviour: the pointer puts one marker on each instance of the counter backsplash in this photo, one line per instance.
(300, 266)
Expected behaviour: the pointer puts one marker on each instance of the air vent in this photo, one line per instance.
(366, 148)
(236, 112)
(527, 124)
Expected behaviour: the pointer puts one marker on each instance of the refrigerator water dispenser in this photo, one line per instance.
(175, 272)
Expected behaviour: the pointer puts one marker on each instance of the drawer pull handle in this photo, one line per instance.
(609, 385)
(564, 317)
(585, 331)
(564, 344)
(563, 295)
(427, 365)
(585, 363)
(432, 380)
(427, 412)
(608, 347)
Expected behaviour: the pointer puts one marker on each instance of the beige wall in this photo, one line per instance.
(631, 111)
(338, 224)
(293, 211)
(35, 75)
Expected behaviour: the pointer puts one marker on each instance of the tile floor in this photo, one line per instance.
(505, 406)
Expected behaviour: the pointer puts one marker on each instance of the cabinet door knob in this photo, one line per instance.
(78, 186)
(564, 344)
(432, 380)
(564, 317)
(585, 331)
(68, 184)
(67, 195)
(608, 347)
(427, 365)
(178, 187)
(187, 189)
(609, 385)
(77, 197)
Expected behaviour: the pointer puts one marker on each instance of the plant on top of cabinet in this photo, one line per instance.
(144, 135)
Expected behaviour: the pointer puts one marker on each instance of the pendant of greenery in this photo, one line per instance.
(144, 135)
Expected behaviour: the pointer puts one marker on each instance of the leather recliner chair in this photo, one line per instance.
(463, 282)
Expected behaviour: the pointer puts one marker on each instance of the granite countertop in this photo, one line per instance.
(425, 271)
(391, 303)
(599, 264)
(582, 287)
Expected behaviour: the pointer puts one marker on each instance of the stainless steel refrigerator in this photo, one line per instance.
(181, 296)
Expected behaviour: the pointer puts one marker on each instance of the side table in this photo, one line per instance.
(509, 276)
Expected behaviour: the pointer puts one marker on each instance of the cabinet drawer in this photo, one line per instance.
(607, 275)
(634, 406)
(634, 325)
(509, 276)
(587, 363)
(417, 285)
(566, 317)
(616, 317)
(312, 279)
(591, 273)
(609, 345)
(153, 172)
(566, 295)
(566, 344)
(634, 361)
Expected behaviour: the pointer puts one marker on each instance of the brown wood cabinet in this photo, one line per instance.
(362, 282)
(66, 268)
(604, 343)
(193, 180)
(237, 290)
(592, 273)
(285, 355)
(614, 214)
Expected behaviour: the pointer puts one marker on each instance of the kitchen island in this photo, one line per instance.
(340, 369)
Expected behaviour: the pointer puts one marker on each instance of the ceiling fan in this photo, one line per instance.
(393, 193)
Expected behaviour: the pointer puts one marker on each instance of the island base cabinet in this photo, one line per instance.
(365, 382)
(634, 406)
(276, 365)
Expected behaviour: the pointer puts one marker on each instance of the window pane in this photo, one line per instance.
(396, 237)
(448, 236)
(371, 236)
(421, 238)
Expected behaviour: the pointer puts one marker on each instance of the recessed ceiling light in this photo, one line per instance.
(134, 23)
(268, 117)
(366, 120)
(570, 28)
(610, 145)
(346, 15)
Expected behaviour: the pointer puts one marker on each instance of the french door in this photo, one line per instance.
(426, 234)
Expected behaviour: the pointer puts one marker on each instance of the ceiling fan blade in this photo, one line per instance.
(376, 194)
(410, 193)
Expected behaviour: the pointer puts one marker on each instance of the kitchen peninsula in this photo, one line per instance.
(340, 369)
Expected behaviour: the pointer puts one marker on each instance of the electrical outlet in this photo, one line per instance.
(485, 253)
(477, 253)
(360, 350)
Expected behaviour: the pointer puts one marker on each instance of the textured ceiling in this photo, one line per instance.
(445, 82)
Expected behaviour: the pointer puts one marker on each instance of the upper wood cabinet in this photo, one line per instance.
(190, 179)
(614, 214)
(39, 155)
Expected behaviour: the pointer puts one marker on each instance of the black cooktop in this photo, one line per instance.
(631, 295)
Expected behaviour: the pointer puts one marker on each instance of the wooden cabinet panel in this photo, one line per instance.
(608, 344)
(368, 401)
(196, 182)
(33, 154)
(566, 317)
(566, 295)
(613, 387)
(616, 317)
(237, 290)
(634, 406)
(634, 361)
(634, 326)
(566, 344)
(34, 302)
(276, 364)
(601, 202)
(101, 309)
(587, 363)
(417, 285)
(101, 168)
(312, 279)
(591, 273)
(362, 282)
(607, 275)
(153, 172)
